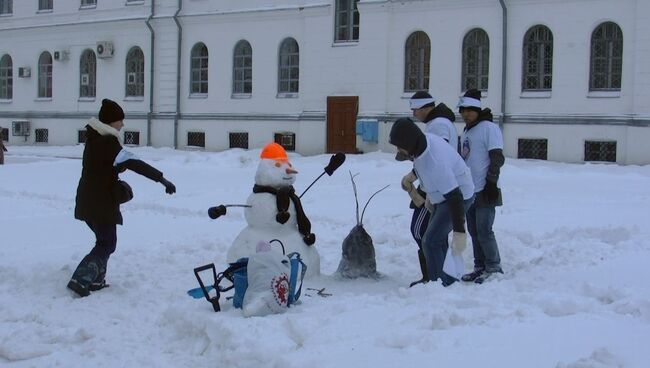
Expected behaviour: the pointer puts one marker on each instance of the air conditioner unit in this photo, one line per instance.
(104, 49)
(24, 72)
(61, 55)
(20, 128)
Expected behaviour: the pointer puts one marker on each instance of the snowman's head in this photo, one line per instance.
(274, 169)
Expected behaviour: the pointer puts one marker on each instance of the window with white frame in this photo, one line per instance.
(538, 59)
(45, 75)
(288, 67)
(6, 7)
(199, 69)
(476, 60)
(347, 21)
(135, 72)
(87, 74)
(606, 58)
(6, 78)
(45, 4)
(416, 62)
(242, 75)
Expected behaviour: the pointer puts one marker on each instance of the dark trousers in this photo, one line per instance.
(106, 240)
(419, 223)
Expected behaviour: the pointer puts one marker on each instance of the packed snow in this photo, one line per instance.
(573, 240)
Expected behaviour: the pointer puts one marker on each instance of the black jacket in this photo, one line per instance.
(95, 201)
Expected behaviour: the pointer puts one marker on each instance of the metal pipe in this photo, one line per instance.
(504, 61)
(178, 73)
(151, 70)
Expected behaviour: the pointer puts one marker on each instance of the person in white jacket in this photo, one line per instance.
(447, 182)
(438, 120)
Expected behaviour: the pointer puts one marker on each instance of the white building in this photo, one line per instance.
(230, 73)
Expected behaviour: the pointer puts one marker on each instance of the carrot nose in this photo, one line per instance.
(290, 171)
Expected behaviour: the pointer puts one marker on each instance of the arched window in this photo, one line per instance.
(135, 72)
(347, 21)
(416, 62)
(538, 59)
(6, 78)
(476, 60)
(199, 69)
(606, 57)
(45, 75)
(87, 74)
(288, 67)
(242, 76)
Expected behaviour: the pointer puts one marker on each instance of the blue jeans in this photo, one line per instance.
(486, 251)
(436, 241)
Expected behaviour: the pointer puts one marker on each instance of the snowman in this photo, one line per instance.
(274, 211)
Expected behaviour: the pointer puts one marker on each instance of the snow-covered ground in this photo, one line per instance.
(573, 240)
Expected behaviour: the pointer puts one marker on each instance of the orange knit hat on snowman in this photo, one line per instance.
(274, 151)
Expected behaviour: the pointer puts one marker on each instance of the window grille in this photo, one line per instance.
(45, 75)
(533, 148)
(6, 78)
(606, 58)
(196, 139)
(199, 69)
(286, 140)
(416, 62)
(347, 21)
(40, 135)
(81, 136)
(288, 67)
(45, 4)
(238, 140)
(135, 72)
(243, 68)
(6, 6)
(600, 151)
(132, 138)
(87, 70)
(476, 60)
(538, 59)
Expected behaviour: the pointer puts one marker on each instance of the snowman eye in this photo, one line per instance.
(277, 164)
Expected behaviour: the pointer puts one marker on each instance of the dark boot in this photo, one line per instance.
(423, 269)
(84, 275)
(472, 276)
(99, 282)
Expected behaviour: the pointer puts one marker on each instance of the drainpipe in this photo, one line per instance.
(178, 73)
(504, 61)
(151, 71)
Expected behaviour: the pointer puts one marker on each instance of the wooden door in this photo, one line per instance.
(341, 123)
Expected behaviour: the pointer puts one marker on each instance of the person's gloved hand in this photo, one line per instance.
(490, 192)
(458, 242)
(430, 206)
(170, 188)
(407, 181)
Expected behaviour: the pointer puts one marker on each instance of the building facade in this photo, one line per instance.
(571, 83)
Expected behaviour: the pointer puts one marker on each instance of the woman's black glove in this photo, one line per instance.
(490, 192)
(170, 188)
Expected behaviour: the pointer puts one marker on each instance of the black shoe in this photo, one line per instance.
(473, 275)
(420, 281)
(81, 290)
(98, 285)
(486, 275)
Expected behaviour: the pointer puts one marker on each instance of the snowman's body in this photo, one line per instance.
(262, 224)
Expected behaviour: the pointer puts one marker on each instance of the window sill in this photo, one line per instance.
(134, 98)
(241, 96)
(139, 2)
(535, 94)
(86, 7)
(198, 95)
(43, 99)
(86, 99)
(44, 11)
(604, 94)
(287, 95)
(344, 43)
(6, 15)
(5, 101)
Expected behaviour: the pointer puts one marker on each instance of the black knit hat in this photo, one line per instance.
(110, 112)
(471, 100)
(406, 135)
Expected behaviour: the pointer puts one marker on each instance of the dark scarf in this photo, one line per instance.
(485, 114)
(282, 197)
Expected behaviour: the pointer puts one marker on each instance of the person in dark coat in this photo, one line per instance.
(3, 149)
(100, 193)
